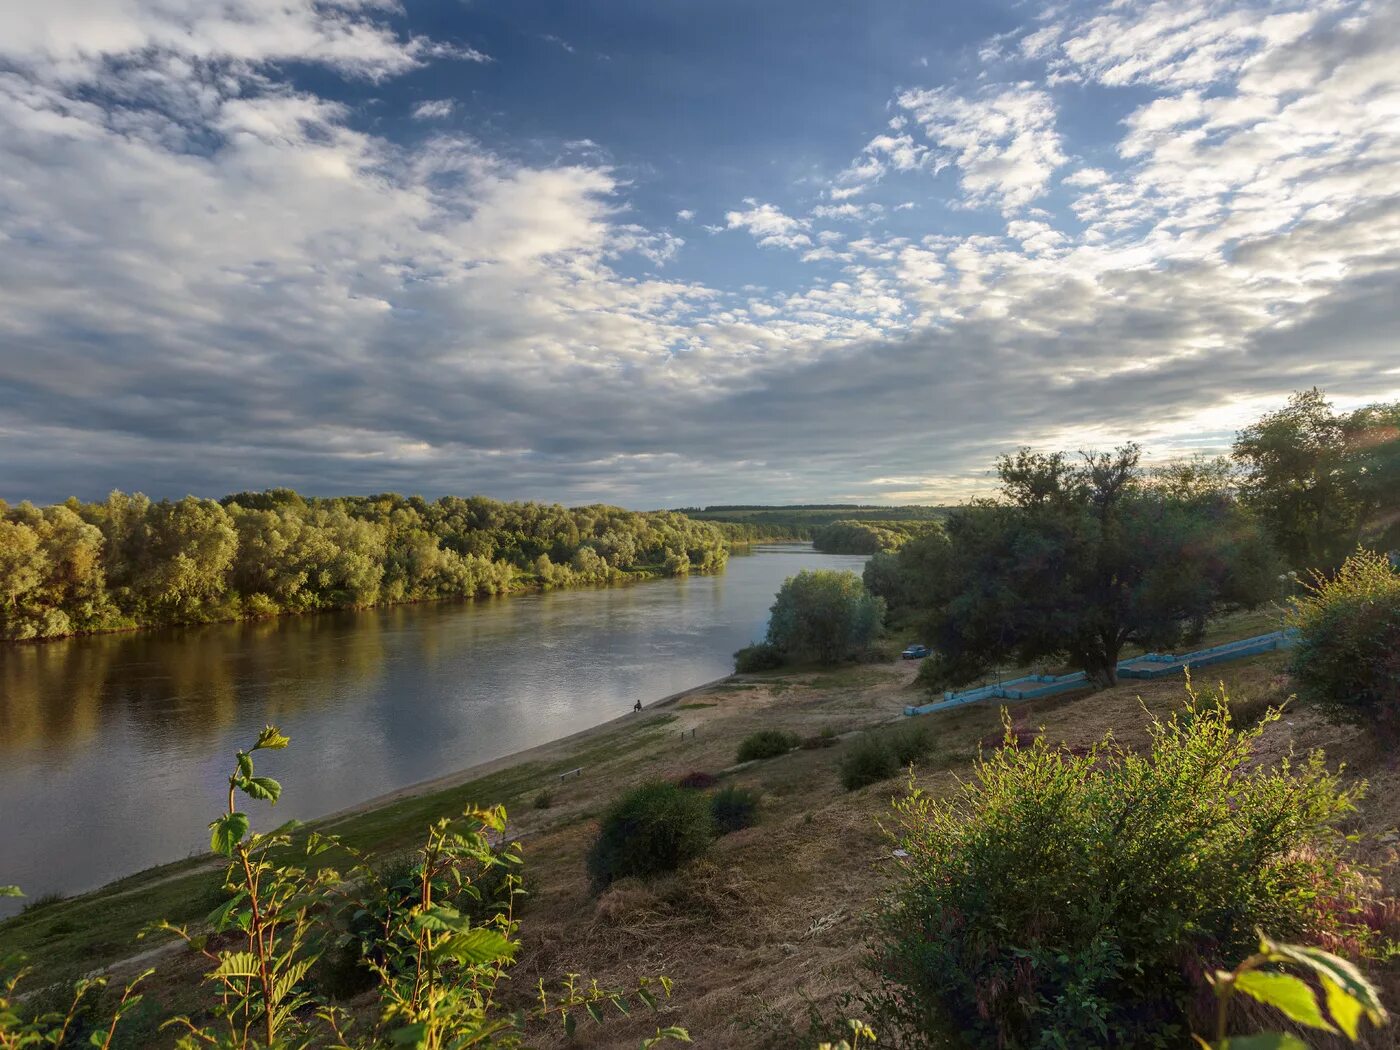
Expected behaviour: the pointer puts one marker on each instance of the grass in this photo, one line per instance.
(771, 915)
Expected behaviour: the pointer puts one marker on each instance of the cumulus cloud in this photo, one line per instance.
(769, 226)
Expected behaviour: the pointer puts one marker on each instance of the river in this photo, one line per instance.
(114, 750)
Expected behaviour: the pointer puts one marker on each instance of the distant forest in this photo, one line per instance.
(753, 524)
(132, 562)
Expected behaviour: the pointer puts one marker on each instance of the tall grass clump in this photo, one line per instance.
(1078, 900)
(1347, 660)
(652, 829)
(766, 743)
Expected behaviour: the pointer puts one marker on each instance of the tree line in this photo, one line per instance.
(129, 561)
(1077, 558)
(867, 537)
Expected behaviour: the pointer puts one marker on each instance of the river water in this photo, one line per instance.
(114, 750)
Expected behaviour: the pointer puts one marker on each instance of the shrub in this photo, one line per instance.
(758, 657)
(868, 761)
(544, 799)
(826, 738)
(824, 616)
(766, 743)
(1064, 900)
(652, 829)
(910, 743)
(1348, 657)
(733, 808)
(697, 780)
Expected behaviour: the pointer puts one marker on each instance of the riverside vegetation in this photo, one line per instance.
(1128, 870)
(130, 562)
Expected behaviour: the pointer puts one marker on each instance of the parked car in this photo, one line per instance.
(915, 652)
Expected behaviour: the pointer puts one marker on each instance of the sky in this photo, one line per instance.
(679, 253)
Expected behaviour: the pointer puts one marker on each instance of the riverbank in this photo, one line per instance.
(776, 913)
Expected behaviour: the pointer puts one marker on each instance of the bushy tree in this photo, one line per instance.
(824, 616)
(1078, 900)
(1347, 660)
(1079, 559)
(1323, 481)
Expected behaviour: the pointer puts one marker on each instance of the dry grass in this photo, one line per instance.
(778, 914)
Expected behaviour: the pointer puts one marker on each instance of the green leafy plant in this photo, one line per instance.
(1348, 996)
(544, 799)
(1064, 896)
(868, 760)
(734, 808)
(436, 932)
(766, 743)
(1347, 660)
(758, 657)
(652, 829)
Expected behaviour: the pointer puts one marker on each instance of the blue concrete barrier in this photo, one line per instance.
(1149, 665)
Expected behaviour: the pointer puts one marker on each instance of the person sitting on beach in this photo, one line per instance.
(638, 707)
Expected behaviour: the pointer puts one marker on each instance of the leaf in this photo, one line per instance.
(1291, 995)
(1344, 1008)
(245, 764)
(410, 1035)
(236, 964)
(271, 739)
(1346, 989)
(570, 1025)
(220, 917)
(227, 832)
(262, 788)
(1264, 1041)
(478, 946)
(594, 1012)
(10, 891)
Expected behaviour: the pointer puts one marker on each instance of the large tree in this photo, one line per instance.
(1079, 558)
(824, 616)
(1322, 481)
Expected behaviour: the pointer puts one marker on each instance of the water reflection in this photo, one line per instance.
(112, 749)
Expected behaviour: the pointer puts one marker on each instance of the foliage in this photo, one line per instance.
(543, 799)
(1079, 559)
(128, 561)
(766, 743)
(437, 934)
(824, 616)
(866, 537)
(754, 524)
(868, 760)
(1347, 660)
(825, 738)
(1063, 897)
(1323, 482)
(1347, 993)
(761, 656)
(733, 808)
(910, 743)
(652, 829)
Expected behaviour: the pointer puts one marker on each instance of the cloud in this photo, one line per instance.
(769, 226)
(1003, 140)
(436, 109)
(212, 278)
(685, 215)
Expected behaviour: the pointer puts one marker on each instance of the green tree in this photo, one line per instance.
(824, 616)
(1079, 559)
(1320, 480)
